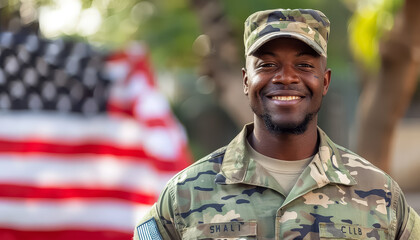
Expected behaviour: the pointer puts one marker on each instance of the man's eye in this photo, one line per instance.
(305, 65)
(266, 65)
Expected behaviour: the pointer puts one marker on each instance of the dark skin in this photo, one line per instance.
(285, 81)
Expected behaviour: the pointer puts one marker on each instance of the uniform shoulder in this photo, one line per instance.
(208, 165)
(360, 168)
(210, 159)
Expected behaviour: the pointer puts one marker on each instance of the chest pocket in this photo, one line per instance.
(222, 231)
(348, 231)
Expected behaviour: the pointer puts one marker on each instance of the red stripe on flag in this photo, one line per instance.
(18, 191)
(30, 146)
(160, 121)
(12, 234)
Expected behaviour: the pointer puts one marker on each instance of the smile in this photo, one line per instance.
(286, 98)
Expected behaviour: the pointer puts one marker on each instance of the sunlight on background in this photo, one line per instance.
(370, 20)
(101, 22)
(142, 11)
(28, 11)
(68, 17)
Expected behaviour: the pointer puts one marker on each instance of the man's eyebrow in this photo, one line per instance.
(263, 53)
(309, 53)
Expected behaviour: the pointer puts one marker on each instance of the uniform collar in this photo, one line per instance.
(325, 168)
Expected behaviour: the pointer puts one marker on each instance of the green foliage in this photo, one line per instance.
(371, 19)
(168, 27)
(170, 33)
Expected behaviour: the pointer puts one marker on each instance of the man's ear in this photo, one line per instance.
(327, 81)
(245, 81)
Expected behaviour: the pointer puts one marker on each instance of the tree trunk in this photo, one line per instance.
(222, 64)
(385, 100)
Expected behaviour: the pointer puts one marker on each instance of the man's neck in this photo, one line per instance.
(285, 146)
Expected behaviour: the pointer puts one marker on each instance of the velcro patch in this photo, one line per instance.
(149, 230)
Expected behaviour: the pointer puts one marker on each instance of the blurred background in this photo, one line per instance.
(102, 101)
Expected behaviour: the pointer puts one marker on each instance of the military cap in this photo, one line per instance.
(310, 26)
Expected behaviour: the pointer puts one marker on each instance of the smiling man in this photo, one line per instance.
(282, 177)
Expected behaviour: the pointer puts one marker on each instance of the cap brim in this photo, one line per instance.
(266, 38)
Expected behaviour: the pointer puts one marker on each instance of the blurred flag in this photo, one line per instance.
(86, 144)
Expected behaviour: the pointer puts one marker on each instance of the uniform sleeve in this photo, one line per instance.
(411, 230)
(408, 221)
(158, 223)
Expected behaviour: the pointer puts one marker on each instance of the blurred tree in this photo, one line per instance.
(222, 63)
(388, 52)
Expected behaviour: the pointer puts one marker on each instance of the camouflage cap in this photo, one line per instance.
(310, 26)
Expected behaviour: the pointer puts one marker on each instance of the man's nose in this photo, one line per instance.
(286, 75)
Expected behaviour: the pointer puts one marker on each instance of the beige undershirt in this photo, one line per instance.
(285, 172)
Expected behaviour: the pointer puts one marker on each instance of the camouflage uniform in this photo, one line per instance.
(227, 195)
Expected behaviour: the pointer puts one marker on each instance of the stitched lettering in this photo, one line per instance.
(351, 230)
(224, 228)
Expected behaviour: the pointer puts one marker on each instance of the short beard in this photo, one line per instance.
(295, 129)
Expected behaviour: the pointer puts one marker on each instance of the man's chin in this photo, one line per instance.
(296, 128)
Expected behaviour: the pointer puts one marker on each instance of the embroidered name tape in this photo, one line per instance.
(349, 231)
(149, 230)
(222, 230)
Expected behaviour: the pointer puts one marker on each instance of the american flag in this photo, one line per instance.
(87, 142)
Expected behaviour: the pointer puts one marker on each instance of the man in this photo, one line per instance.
(282, 177)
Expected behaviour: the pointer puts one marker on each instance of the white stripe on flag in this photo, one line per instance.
(96, 171)
(70, 214)
(71, 128)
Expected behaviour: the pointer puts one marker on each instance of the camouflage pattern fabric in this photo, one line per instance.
(227, 195)
(307, 25)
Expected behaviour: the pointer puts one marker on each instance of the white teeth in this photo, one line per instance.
(286, 98)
